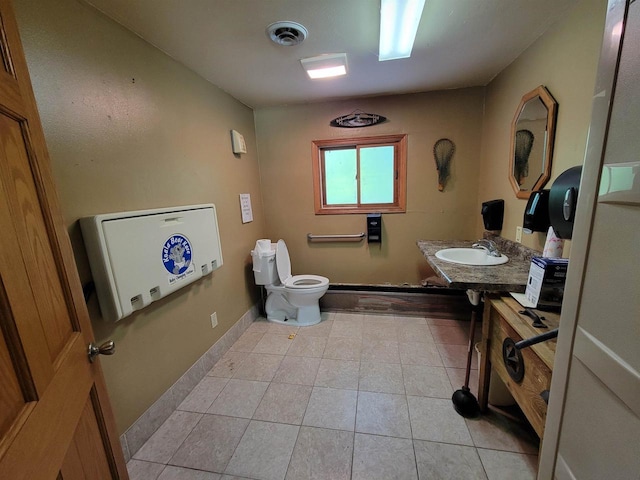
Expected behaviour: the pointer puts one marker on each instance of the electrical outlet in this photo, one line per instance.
(519, 234)
(214, 320)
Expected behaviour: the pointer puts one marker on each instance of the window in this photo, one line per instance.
(360, 175)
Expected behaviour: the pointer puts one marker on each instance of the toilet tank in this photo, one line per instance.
(264, 266)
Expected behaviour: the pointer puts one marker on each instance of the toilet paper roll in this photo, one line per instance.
(553, 246)
(263, 245)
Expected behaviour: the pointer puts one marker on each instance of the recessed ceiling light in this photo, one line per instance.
(399, 20)
(325, 66)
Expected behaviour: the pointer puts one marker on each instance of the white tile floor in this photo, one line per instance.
(355, 397)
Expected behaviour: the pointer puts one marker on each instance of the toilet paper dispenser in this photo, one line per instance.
(555, 207)
(563, 200)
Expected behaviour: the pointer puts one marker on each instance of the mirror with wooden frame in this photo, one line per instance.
(532, 135)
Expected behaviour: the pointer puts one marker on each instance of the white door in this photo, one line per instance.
(593, 425)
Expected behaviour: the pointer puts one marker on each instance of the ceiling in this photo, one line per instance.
(460, 43)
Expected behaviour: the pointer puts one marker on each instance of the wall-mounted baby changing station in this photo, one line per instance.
(139, 257)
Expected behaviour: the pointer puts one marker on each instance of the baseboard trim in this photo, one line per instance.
(146, 425)
(409, 301)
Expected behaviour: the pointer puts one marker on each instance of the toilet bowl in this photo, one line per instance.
(291, 299)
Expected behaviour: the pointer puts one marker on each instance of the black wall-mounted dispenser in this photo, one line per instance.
(563, 200)
(493, 214)
(374, 228)
(536, 213)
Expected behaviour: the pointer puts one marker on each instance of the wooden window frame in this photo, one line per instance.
(399, 205)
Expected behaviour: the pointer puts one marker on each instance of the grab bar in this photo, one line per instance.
(356, 237)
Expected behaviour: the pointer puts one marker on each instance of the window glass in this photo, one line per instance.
(376, 174)
(341, 183)
(360, 175)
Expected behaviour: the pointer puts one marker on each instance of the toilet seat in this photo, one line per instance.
(297, 282)
(305, 281)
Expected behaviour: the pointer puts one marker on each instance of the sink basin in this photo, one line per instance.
(470, 256)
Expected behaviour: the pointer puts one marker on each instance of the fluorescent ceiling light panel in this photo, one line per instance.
(325, 66)
(399, 20)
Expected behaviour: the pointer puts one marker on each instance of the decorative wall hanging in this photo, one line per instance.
(443, 150)
(357, 119)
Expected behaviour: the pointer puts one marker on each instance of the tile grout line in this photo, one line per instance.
(235, 449)
(305, 409)
(182, 443)
(358, 390)
(406, 401)
(355, 419)
(465, 423)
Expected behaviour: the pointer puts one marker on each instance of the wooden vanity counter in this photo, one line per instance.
(502, 319)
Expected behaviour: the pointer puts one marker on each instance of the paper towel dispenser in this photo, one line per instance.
(536, 213)
(139, 257)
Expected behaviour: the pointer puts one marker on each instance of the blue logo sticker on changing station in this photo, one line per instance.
(176, 254)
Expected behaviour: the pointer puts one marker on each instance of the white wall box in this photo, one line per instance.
(139, 257)
(238, 145)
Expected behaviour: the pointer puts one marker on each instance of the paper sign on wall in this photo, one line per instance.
(245, 207)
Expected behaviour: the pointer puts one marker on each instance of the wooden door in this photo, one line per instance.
(55, 418)
(593, 422)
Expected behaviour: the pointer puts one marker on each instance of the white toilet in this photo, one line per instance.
(291, 300)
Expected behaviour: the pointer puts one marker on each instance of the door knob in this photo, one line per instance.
(107, 348)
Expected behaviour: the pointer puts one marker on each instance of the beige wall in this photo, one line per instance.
(564, 60)
(128, 128)
(284, 144)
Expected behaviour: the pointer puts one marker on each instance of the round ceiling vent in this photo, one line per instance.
(287, 33)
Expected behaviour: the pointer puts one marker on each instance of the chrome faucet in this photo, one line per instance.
(488, 245)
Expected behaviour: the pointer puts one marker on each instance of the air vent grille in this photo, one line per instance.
(287, 33)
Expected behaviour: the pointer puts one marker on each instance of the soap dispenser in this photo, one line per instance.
(536, 213)
(374, 228)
